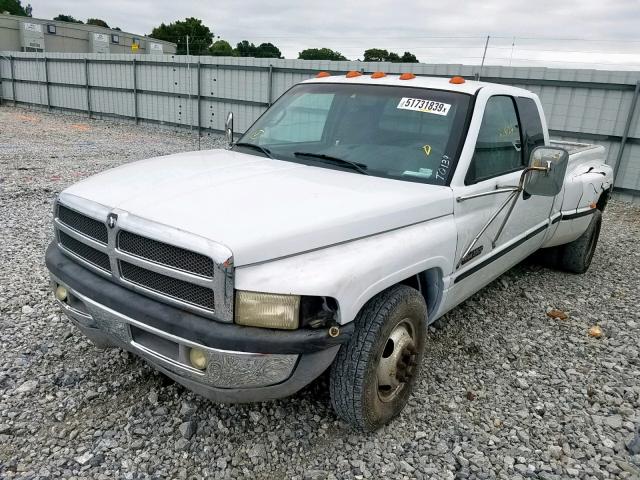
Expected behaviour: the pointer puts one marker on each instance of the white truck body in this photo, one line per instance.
(307, 230)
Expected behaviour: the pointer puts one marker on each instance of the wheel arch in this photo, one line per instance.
(430, 284)
(604, 199)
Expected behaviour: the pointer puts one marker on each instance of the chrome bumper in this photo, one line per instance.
(224, 370)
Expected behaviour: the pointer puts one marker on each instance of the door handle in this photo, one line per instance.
(517, 145)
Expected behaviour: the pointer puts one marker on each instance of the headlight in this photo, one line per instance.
(267, 310)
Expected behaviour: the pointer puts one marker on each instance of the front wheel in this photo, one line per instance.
(373, 374)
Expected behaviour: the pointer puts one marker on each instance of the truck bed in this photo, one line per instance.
(572, 147)
(582, 156)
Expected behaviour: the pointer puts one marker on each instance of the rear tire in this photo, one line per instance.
(373, 374)
(576, 256)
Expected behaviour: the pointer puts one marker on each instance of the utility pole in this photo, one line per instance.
(513, 46)
(484, 55)
(189, 109)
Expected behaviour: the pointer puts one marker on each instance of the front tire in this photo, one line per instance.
(373, 374)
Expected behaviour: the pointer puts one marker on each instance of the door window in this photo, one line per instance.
(498, 148)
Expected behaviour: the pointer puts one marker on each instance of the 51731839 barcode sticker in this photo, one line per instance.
(423, 105)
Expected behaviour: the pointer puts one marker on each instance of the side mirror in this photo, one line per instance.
(549, 165)
(228, 128)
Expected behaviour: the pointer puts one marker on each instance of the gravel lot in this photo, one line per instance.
(507, 391)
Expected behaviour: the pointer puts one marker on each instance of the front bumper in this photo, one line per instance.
(243, 363)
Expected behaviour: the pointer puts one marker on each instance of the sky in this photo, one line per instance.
(601, 34)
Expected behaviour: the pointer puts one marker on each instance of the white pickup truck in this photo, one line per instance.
(354, 212)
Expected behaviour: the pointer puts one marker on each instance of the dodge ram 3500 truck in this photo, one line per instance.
(353, 212)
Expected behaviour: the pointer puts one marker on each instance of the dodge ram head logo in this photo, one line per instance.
(112, 219)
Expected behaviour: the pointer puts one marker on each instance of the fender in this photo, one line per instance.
(587, 186)
(354, 272)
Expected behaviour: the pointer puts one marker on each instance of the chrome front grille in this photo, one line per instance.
(187, 292)
(165, 254)
(200, 281)
(90, 254)
(81, 223)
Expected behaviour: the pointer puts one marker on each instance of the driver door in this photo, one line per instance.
(497, 164)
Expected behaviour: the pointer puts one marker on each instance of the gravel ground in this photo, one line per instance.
(507, 392)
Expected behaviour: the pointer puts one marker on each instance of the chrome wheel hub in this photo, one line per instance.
(398, 361)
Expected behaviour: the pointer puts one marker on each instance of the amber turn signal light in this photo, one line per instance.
(456, 80)
(353, 73)
(323, 74)
(378, 75)
(407, 76)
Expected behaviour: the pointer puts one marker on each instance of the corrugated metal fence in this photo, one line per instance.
(196, 92)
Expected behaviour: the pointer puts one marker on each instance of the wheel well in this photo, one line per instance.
(604, 199)
(429, 284)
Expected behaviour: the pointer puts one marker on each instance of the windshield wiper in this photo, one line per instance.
(358, 167)
(266, 151)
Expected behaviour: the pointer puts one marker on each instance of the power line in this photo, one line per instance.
(462, 43)
(379, 38)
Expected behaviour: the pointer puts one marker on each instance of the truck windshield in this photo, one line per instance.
(404, 133)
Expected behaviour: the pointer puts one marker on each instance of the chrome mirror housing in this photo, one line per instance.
(547, 167)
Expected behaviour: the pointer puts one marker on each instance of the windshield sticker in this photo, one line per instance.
(427, 149)
(256, 134)
(423, 105)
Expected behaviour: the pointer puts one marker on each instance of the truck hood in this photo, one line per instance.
(260, 208)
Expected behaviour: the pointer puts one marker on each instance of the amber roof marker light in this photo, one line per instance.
(407, 76)
(457, 80)
(353, 73)
(378, 75)
(323, 75)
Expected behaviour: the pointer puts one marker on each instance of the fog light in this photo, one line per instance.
(197, 358)
(61, 293)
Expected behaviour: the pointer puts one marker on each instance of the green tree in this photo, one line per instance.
(246, 49)
(97, 22)
(200, 37)
(66, 18)
(408, 57)
(268, 50)
(393, 57)
(14, 7)
(221, 48)
(264, 50)
(375, 55)
(380, 55)
(320, 54)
